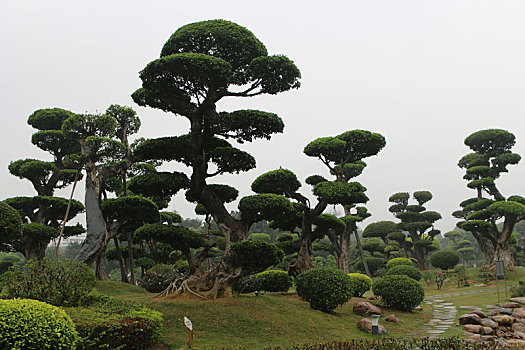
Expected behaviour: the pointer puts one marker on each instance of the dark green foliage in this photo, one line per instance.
(503, 208)
(52, 209)
(158, 184)
(380, 229)
(170, 218)
(422, 196)
(226, 193)
(132, 211)
(247, 125)
(410, 271)
(444, 259)
(324, 288)
(255, 256)
(264, 206)
(399, 292)
(49, 118)
(159, 277)
(341, 192)
(289, 246)
(360, 284)
(274, 281)
(519, 290)
(31, 324)
(178, 237)
(280, 181)
(314, 180)
(114, 324)
(374, 265)
(492, 142)
(10, 225)
(61, 283)
(248, 284)
(259, 237)
(398, 261)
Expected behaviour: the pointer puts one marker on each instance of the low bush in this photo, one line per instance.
(399, 292)
(30, 324)
(398, 261)
(375, 265)
(115, 324)
(255, 256)
(268, 281)
(159, 277)
(360, 284)
(410, 271)
(324, 288)
(519, 290)
(57, 282)
(275, 281)
(444, 259)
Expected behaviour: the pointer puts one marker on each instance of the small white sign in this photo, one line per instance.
(188, 324)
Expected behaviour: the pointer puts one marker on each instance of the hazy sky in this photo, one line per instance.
(425, 74)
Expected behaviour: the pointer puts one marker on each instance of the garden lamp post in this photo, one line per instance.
(375, 324)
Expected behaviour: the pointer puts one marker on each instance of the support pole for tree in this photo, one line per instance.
(67, 213)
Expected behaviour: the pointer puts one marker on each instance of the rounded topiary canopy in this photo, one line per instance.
(280, 181)
(10, 224)
(444, 259)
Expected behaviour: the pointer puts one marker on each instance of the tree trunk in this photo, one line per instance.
(362, 254)
(96, 226)
(342, 260)
(123, 269)
(131, 262)
(302, 262)
(100, 269)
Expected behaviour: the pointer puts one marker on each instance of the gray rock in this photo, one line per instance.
(488, 331)
(520, 300)
(518, 327)
(474, 328)
(392, 318)
(469, 319)
(504, 311)
(487, 322)
(504, 320)
(520, 312)
(479, 313)
(366, 324)
(365, 308)
(509, 305)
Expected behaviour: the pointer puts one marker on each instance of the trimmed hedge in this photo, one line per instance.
(398, 261)
(27, 324)
(399, 292)
(324, 288)
(268, 281)
(115, 324)
(360, 284)
(410, 271)
(57, 282)
(444, 259)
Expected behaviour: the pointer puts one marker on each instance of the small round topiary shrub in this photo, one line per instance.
(159, 277)
(30, 324)
(410, 271)
(444, 259)
(398, 261)
(275, 281)
(399, 292)
(375, 265)
(360, 284)
(324, 288)
(57, 282)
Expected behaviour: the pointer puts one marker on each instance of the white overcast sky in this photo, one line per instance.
(423, 73)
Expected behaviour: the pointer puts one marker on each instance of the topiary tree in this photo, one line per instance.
(10, 226)
(410, 271)
(444, 259)
(324, 288)
(398, 261)
(360, 284)
(46, 177)
(399, 292)
(490, 158)
(200, 64)
(417, 222)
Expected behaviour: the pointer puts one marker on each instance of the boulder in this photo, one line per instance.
(504, 320)
(486, 330)
(519, 335)
(469, 319)
(517, 343)
(475, 339)
(392, 318)
(479, 313)
(473, 328)
(509, 305)
(518, 327)
(365, 308)
(504, 311)
(520, 300)
(418, 308)
(366, 325)
(519, 312)
(487, 322)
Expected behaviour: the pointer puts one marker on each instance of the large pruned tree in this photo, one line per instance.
(44, 214)
(481, 214)
(201, 64)
(417, 222)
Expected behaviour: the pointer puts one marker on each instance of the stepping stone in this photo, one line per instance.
(490, 306)
(447, 322)
(435, 331)
(470, 308)
(448, 304)
(439, 301)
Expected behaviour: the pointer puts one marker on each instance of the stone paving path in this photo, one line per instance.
(445, 313)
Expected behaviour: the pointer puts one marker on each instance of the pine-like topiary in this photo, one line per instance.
(398, 261)
(324, 288)
(27, 324)
(444, 259)
(410, 271)
(360, 284)
(275, 281)
(399, 292)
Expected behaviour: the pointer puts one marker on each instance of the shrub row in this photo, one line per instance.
(269, 281)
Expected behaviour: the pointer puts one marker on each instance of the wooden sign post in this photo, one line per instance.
(188, 325)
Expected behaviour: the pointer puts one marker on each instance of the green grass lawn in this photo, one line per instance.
(283, 319)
